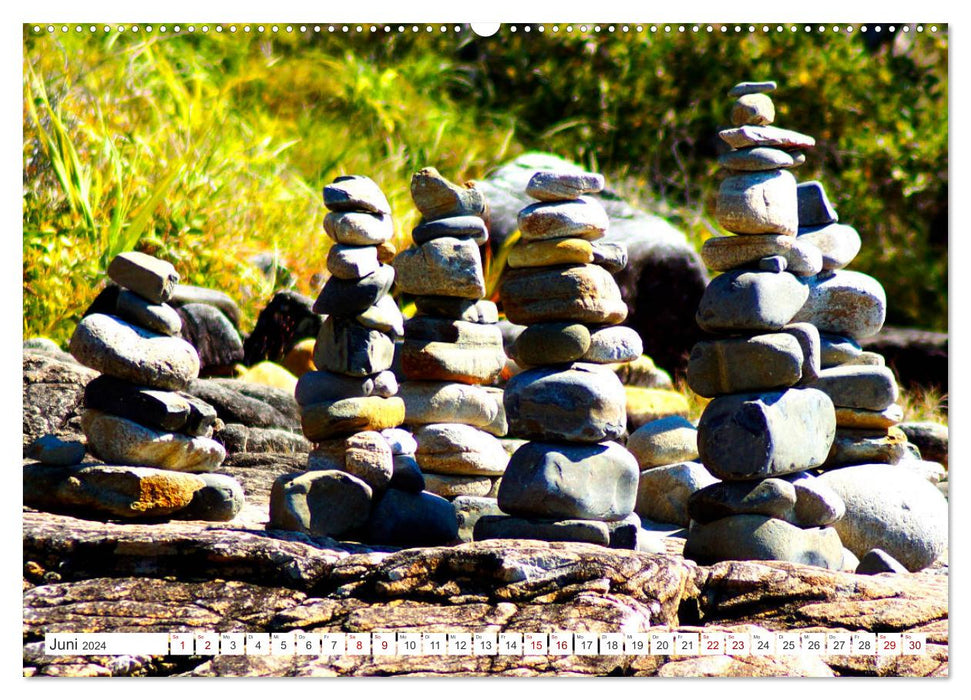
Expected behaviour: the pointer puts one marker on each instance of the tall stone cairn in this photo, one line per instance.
(570, 481)
(765, 426)
(846, 306)
(349, 408)
(452, 347)
(155, 440)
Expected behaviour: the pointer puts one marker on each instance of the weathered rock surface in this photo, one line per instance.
(137, 578)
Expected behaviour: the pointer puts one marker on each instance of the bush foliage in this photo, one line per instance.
(207, 150)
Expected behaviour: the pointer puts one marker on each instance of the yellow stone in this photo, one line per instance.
(270, 374)
(300, 359)
(645, 405)
(877, 420)
(642, 372)
(562, 251)
(321, 421)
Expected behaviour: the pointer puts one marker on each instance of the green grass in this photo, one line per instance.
(209, 150)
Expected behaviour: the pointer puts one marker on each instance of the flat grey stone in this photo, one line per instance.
(867, 447)
(358, 228)
(448, 267)
(345, 347)
(752, 87)
(582, 403)
(347, 298)
(773, 498)
(838, 243)
(552, 186)
(578, 218)
(407, 474)
(111, 491)
(352, 261)
(461, 227)
(493, 527)
(459, 450)
(760, 158)
(663, 492)
(750, 301)
(466, 362)
(560, 481)
(220, 500)
(753, 108)
(438, 198)
(51, 450)
(453, 402)
(814, 206)
(891, 509)
(164, 410)
(758, 202)
(317, 386)
(846, 303)
(118, 440)
(771, 136)
(148, 277)
(747, 436)
(737, 365)
(355, 193)
(837, 349)
(472, 310)
(667, 440)
(550, 343)
(807, 336)
(869, 358)
(759, 538)
(723, 253)
(581, 293)
(452, 486)
(408, 519)
(613, 344)
(325, 503)
(111, 346)
(876, 561)
(447, 330)
(859, 386)
(160, 318)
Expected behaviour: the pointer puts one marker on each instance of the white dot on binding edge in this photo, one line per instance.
(906, 29)
(512, 29)
(289, 28)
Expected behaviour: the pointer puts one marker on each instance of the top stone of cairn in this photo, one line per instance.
(551, 186)
(149, 277)
(437, 198)
(749, 88)
(355, 193)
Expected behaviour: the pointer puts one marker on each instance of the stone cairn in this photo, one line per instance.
(452, 346)
(766, 426)
(895, 519)
(570, 481)
(358, 484)
(155, 439)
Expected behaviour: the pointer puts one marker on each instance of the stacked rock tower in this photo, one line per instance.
(452, 346)
(846, 306)
(765, 427)
(570, 481)
(350, 489)
(135, 414)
